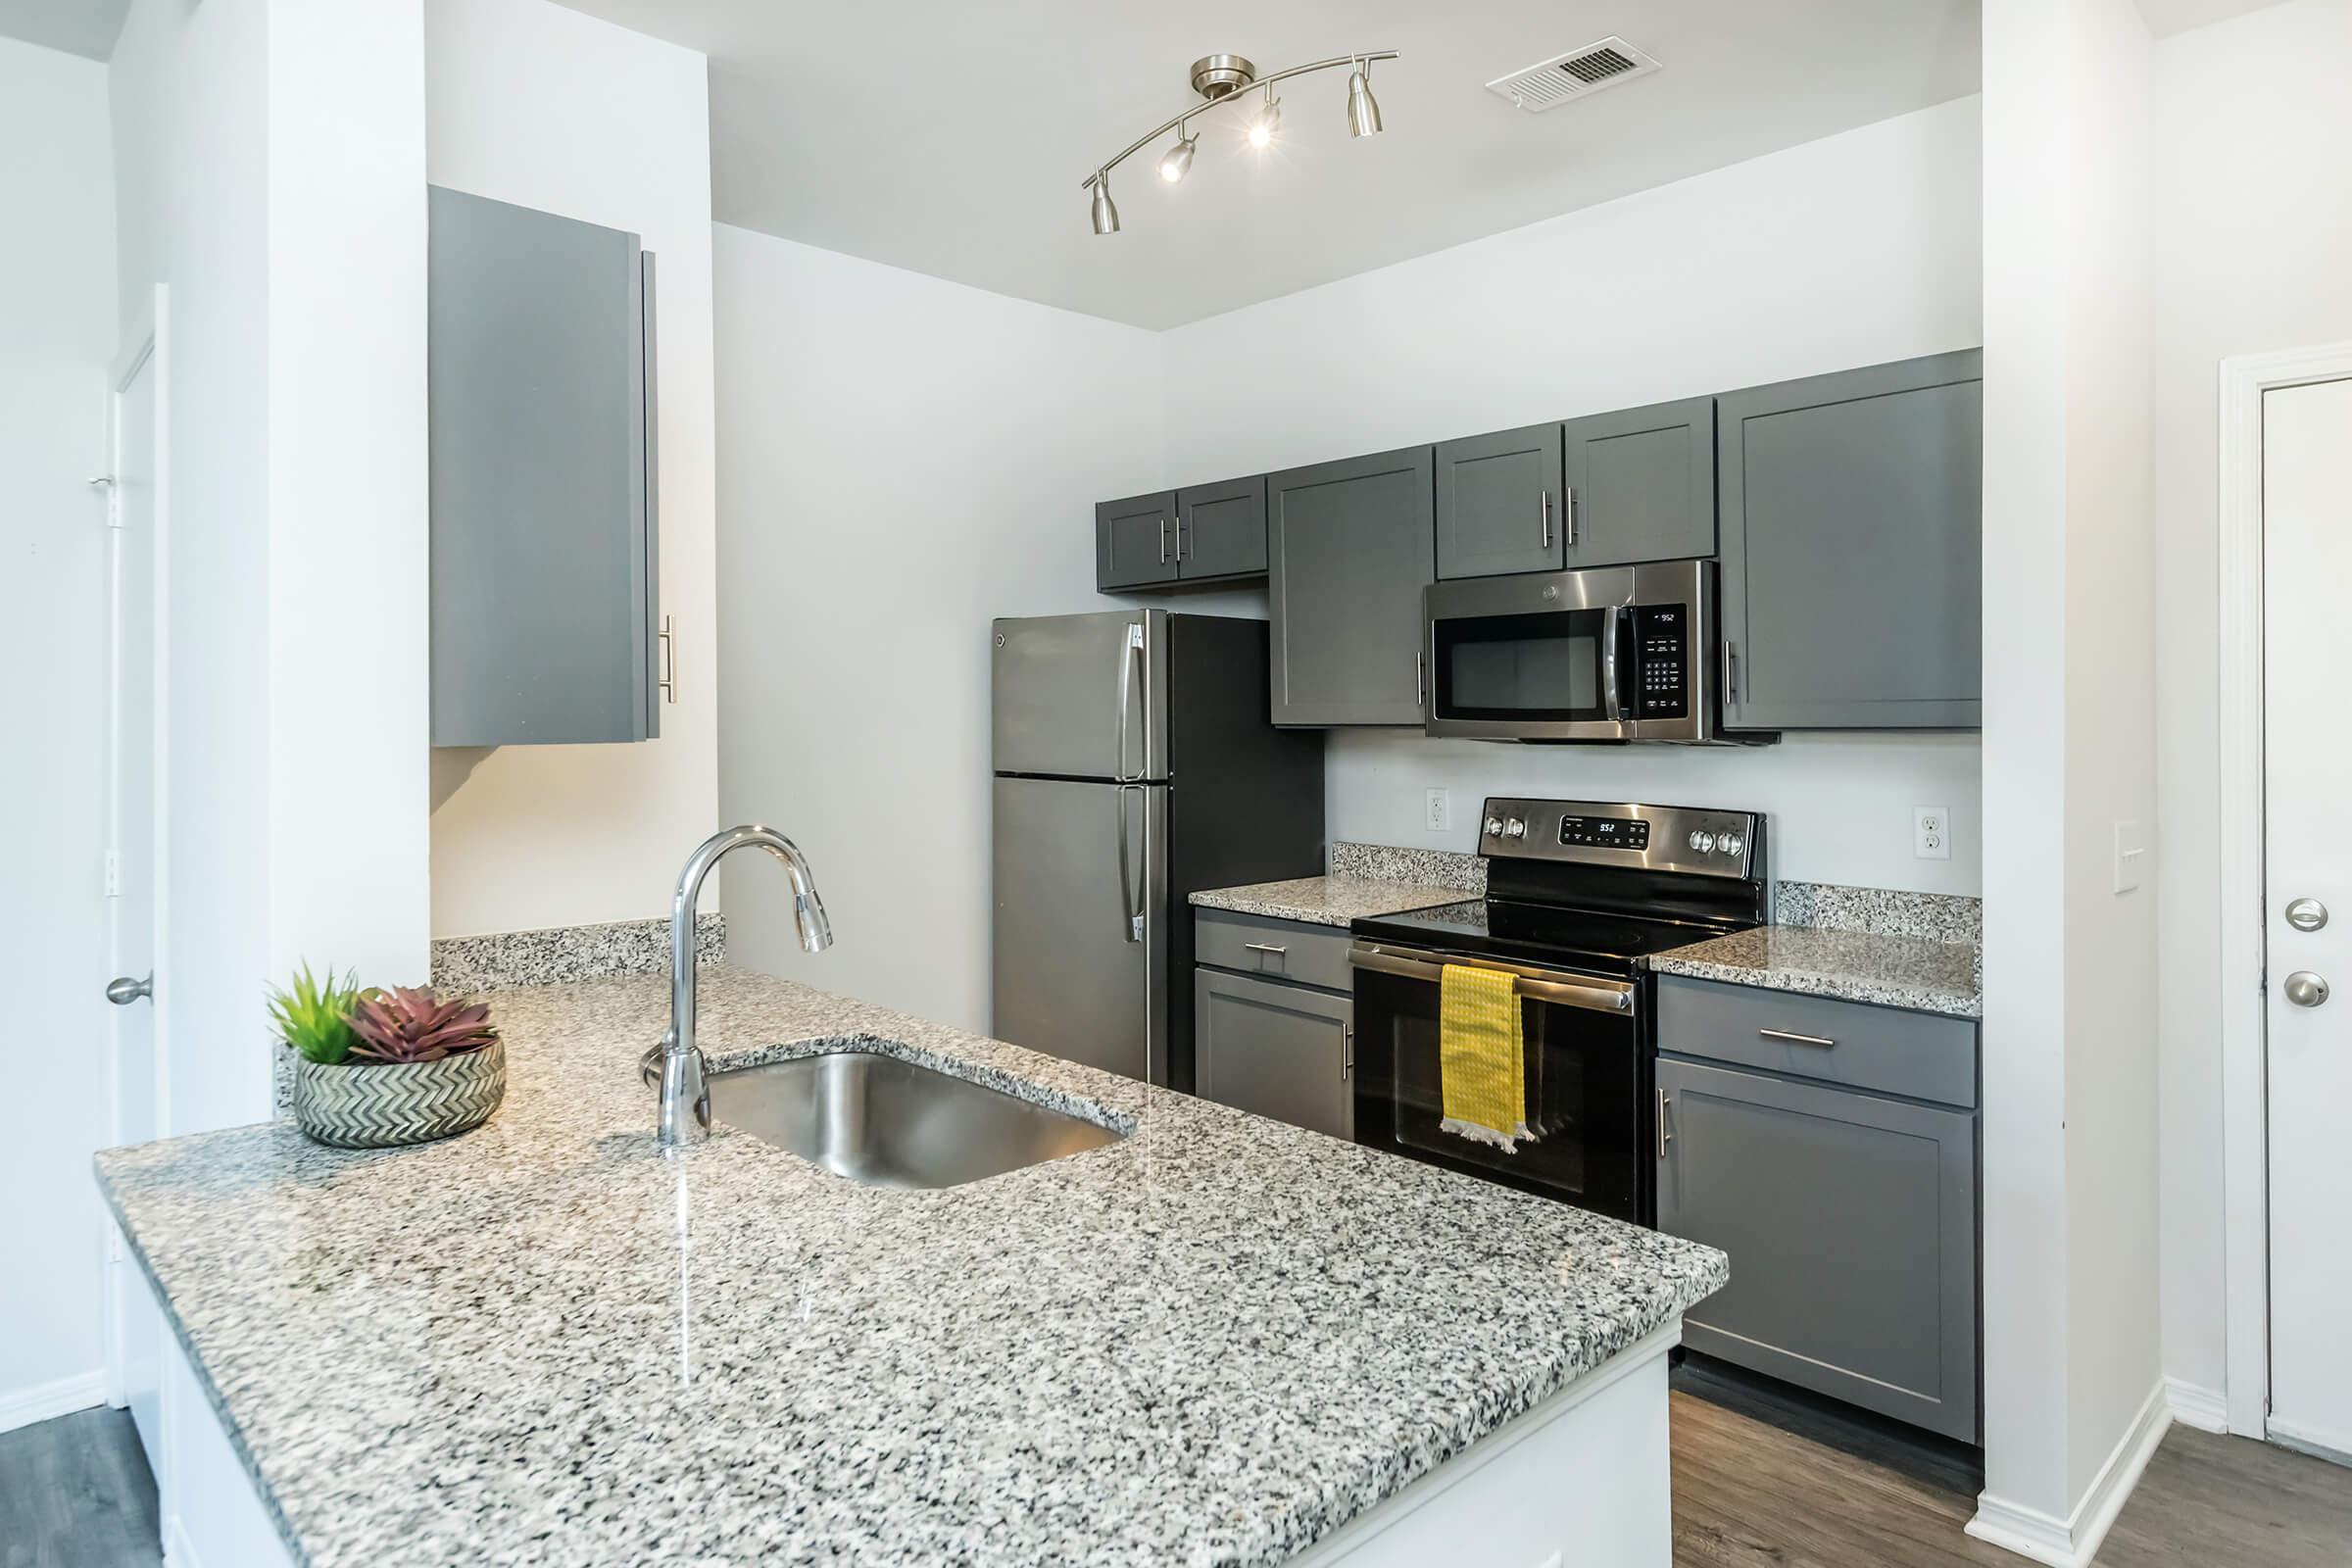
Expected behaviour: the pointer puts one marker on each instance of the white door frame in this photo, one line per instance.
(145, 340)
(2245, 1147)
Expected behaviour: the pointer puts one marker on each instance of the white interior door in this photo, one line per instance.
(138, 1063)
(2307, 907)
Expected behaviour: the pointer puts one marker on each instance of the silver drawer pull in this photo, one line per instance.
(1261, 946)
(1797, 1039)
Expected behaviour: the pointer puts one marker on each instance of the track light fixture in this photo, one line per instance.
(1218, 78)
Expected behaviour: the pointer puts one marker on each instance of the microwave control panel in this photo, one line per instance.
(1662, 645)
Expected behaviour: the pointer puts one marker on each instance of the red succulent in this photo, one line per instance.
(414, 1025)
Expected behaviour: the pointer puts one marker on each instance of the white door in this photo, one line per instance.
(134, 516)
(2307, 877)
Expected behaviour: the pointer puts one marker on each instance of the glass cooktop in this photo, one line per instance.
(1540, 933)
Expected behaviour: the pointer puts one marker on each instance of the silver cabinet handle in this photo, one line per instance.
(1420, 682)
(1180, 537)
(1261, 946)
(1163, 539)
(1568, 515)
(1731, 670)
(1546, 519)
(2303, 988)
(1664, 1136)
(1822, 1041)
(667, 685)
(2307, 914)
(122, 990)
(1346, 1051)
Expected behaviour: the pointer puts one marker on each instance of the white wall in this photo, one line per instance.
(1855, 249)
(530, 103)
(2068, 1118)
(2254, 223)
(902, 459)
(57, 186)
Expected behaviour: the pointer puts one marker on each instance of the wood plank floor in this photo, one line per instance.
(1750, 1492)
(1758, 1483)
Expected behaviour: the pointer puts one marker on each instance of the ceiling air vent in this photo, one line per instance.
(1577, 74)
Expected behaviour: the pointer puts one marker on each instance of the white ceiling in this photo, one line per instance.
(77, 27)
(951, 137)
(2167, 17)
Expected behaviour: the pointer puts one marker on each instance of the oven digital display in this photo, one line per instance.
(1606, 832)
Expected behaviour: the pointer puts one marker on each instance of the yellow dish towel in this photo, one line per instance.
(1482, 1060)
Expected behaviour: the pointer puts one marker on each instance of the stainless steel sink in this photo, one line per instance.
(886, 1122)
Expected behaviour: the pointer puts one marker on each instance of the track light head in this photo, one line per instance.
(1106, 210)
(1262, 128)
(1363, 110)
(1179, 158)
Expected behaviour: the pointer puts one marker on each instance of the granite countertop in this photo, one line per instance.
(1213, 1342)
(1892, 971)
(1327, 899)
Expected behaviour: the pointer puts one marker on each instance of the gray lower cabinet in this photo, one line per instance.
(1498, 503)
(1851, 522)
(1221, 530)
(1351, 550)
(1135, 541)
(1850, 1217)
(545, 538)
(1640, 485)
(1283, 1051)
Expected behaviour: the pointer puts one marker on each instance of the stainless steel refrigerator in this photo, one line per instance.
(1136, 764)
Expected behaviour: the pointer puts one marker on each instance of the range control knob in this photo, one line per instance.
(1731, 843)
(1513, 828)
(1701, 839)
(1493, 827)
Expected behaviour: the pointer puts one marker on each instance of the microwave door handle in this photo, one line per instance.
(1612, 702)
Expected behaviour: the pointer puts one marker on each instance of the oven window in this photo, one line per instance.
(1587, 1096)
(1520, 667)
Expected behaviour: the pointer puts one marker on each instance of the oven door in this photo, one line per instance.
(1587, 1080)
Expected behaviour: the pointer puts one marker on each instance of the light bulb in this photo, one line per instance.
(1267, 123)
(1178, 159)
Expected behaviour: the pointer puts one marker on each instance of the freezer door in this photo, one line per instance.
(1081, 931)
(1082, 696)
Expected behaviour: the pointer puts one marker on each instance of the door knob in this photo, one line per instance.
(2307, 914)
(2305, 989)
(122, 990)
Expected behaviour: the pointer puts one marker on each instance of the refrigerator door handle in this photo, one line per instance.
(1131, 657)
(1129, 906)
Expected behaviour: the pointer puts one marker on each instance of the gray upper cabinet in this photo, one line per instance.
(1351, 548)
(1851, 524)
(1135, 541)
(1640, 485)
(1850, 1223)
(1283, 1051)
(545, 591)
(1498, 503)
(1221, 529)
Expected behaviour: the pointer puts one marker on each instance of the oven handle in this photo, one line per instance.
(1601, 996)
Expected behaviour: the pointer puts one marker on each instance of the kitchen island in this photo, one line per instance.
(1215, 1341)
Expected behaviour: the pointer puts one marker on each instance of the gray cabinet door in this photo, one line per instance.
(1135, 541)
(541, 424)
(1851, 1222)
(1641, 484)
(1351, 550)
(1498, 503)
(1283, 1051)
(1221, 529)
(1851, 524)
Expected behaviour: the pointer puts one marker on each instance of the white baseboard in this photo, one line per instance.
(2319, 1443)
(2073, 1542)
(178, 1551)
(2195, 1406)
(44, 1401)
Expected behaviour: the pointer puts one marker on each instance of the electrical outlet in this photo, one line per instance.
(1932, 832)
(1437, 811)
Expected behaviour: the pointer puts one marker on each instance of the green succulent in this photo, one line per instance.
(315, 1015)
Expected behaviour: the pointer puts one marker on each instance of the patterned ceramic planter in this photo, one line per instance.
(379, 1105)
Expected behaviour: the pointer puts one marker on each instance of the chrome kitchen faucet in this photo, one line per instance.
(685, 1085)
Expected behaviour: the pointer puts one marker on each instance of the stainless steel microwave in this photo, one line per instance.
(1608, 653)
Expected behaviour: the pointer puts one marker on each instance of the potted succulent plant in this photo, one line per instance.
(379, 1069)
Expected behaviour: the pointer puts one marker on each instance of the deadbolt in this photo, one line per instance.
(2305, 989)
(2307, 914)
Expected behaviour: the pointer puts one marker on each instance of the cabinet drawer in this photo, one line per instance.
(1279, 949)
(1883, 1050)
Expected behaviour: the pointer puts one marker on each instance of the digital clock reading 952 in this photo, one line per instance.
(1606, 832)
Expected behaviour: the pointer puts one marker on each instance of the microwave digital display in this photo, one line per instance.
(1606, 832)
